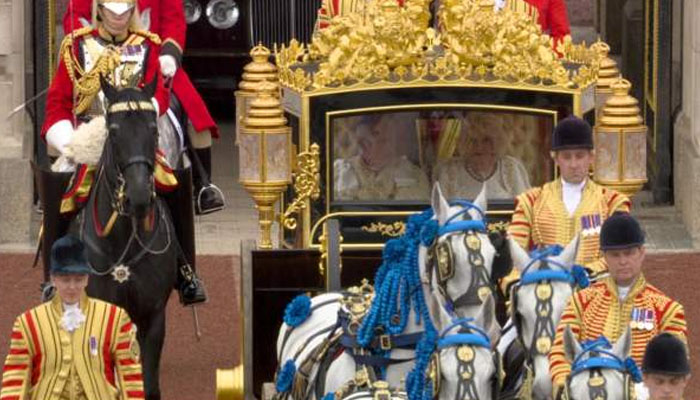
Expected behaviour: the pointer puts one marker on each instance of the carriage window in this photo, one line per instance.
(396, 156)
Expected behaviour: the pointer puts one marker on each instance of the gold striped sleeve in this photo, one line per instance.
(559, 366)
(18, 365)
(520, 229)
(673, 321)
(126, 356)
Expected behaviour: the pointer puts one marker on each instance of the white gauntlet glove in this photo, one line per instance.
(168, 65)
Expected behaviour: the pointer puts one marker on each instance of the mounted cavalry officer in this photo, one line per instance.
(624, 299)
(166, 18)
(73, 347)
(117, 50)
(573, 204)
(666, 367)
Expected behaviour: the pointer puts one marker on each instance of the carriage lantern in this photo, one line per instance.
(607, 75)
(621, 142)
(259, 70)
(265, 144)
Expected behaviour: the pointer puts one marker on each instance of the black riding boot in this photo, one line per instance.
(208, 197)
(189, 286)
(51, 186)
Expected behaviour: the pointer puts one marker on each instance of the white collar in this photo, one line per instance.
(573, 186)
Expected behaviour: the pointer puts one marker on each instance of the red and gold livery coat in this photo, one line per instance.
(552, 17)
(167, 20)
(103, 352)
(75, 81)
(597, 311)
(541, 219)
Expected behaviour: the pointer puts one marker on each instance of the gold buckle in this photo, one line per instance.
(385, 342)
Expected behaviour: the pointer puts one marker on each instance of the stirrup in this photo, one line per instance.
(192, 292)
(209, 199)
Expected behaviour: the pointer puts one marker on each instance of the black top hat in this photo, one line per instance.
(621, 231)
(666, 354)
(68, 256)
(572, 133)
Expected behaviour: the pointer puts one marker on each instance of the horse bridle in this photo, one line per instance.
(544, 330)
(469, 336)
(441, 260)
(601, 358)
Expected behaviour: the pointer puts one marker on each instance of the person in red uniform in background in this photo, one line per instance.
(552, 18)
(166, 18)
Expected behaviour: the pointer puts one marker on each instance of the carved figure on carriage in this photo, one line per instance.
(115, 51)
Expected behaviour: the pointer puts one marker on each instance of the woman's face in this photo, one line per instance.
(376, 145)
(115, 24)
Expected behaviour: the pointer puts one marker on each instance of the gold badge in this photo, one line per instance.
(465, 353)
(121, 273)
(544, 291)
(543, 345)
(484, 292)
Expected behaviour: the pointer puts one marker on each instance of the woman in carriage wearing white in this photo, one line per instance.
(116, 49)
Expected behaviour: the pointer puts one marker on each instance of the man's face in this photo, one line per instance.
(625, 265)
(574, 164)
(70, 286)
(115, 24)
(665, 387)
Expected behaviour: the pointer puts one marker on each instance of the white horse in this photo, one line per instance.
(547, 281)
(600, 371)
(449, 247)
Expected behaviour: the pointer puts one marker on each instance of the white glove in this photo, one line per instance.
(60, 135)
(155, 105)
(168, 66)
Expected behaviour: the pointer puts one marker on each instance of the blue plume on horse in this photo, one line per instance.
(429, 232)
(329, 396)
(297, 311)
(633, 369)
(580, 276)
(285, 377)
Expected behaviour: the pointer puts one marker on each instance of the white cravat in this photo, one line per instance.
(623, 291)
(571, 193)
(72, 317)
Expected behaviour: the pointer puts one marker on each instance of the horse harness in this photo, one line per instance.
(466, 339)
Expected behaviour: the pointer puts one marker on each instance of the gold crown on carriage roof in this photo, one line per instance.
(472, 42)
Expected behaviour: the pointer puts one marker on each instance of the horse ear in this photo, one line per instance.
(623, 345)
(572, 348)
(519, 256)
(481, 202)
(109, 91)
(486, 319)
(440, 205)
(568, 255)
(150, 89)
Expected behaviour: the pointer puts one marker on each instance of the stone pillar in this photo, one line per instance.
(686, 162)
(15, 138)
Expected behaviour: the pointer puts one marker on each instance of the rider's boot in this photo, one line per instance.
(51, 186)
(208, 197)
(189, 286)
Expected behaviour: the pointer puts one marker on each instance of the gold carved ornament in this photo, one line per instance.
(394, 229)
(306, 178)
(473, 43)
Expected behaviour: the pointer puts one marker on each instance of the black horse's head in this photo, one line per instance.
(131, 144)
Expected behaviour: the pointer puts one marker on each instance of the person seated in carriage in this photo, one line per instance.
(480, 161)
(624, 299)
(115, 49)
(166, 18)
(572, 204)
(666, 367)
(73, 347)
(379, 171)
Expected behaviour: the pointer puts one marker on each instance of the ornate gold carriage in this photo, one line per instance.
(385, 102)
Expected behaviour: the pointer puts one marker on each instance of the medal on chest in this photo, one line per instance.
(590, 225)
(643, 319)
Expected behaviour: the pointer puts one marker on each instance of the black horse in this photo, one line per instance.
(128, 231)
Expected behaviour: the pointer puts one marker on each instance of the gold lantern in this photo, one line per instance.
(265, 147)
(621, 142)
(607, 74)
(259, 70)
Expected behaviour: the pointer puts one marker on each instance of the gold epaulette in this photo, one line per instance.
(153, 37)
(67, 41)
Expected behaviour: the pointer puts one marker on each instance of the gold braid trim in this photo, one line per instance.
(153, 37)
(87, 84)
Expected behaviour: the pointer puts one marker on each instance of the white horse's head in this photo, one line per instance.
(469, 367)
(539, 299)
(457, 262)
(600, 371)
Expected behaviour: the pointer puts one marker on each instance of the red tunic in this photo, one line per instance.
(552, 18)
(59, 99)
(168, 21)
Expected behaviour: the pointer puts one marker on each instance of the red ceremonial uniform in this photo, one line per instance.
(552, 18)
(60, 97)
(167, 19)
